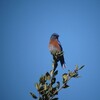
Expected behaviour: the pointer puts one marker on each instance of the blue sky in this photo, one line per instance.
(25, 29)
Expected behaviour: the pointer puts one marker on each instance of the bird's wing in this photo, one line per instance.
(60, 45)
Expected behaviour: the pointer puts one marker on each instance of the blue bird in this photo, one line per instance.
(56, 49)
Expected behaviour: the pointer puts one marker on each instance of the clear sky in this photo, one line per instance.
(25, 29)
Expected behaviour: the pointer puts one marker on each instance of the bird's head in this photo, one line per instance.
(54, 36)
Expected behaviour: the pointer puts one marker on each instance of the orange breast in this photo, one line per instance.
(55, 44)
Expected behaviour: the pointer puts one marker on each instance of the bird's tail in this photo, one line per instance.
(63, 66)
(62, 61)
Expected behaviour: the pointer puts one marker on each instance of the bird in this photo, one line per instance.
(56, 49)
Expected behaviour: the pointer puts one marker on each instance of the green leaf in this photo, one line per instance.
(58, 85)
(73, 74)
(65, 77)
(45, 87)
(56, 72)
(41, 90)
(33, 95)
(76, 69)
(60, 53)
(53, 81)
(81, 67)
(55, 99)
(42, 80)
(51, 72)
(47, 76)
(37, 86)
(54, 90)
(65, 86)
